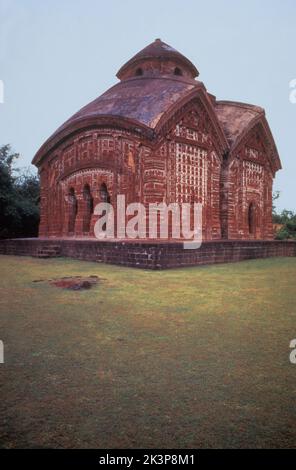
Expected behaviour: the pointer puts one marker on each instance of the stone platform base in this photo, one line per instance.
(145, 254)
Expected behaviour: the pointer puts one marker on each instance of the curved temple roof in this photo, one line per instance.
(237, 118)
(143, 100)
(161, 51)
(234, 117)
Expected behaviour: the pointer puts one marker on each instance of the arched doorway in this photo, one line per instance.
(88, 208)
(72, 211)
(252, 219)
(105, 197)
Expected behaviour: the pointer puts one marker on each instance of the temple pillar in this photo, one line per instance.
(96, 200)
(80, 214)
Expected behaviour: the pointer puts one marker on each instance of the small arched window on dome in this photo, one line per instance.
(139, 72)
(178, 72)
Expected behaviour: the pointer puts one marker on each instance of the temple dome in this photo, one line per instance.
(140, 101)
(158, 58)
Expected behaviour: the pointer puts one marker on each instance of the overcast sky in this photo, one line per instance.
(56, 56)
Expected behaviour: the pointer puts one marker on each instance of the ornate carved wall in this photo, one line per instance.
(184, 167)
(159, 136)
(247, 191)
(90, 160)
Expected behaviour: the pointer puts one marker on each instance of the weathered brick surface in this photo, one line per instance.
(149, 255)
(159, 136)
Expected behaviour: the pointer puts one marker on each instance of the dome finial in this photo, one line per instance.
(151, 56)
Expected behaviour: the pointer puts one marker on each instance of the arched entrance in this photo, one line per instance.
(105, 197)
(88, 208)
(72, 211)
(252, 219)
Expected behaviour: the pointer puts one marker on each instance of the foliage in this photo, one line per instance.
(19, 198)
(275, 196)
(287, 219)
(288, 229)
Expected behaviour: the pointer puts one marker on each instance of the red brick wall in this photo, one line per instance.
(246, 181)
(149, 255)
(185, 164)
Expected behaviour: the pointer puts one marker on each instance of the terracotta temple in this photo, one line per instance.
(158, 135)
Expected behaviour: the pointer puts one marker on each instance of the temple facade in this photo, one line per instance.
(159, 136)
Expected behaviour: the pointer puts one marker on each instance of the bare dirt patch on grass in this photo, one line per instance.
(73, 282)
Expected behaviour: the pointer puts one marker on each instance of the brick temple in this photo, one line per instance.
(158, 135)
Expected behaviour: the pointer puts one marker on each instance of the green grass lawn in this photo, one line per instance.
(195, 357)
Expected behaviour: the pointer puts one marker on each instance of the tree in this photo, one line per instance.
(275, 216)
(19, 198)
(287, 220)
(288, 229)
